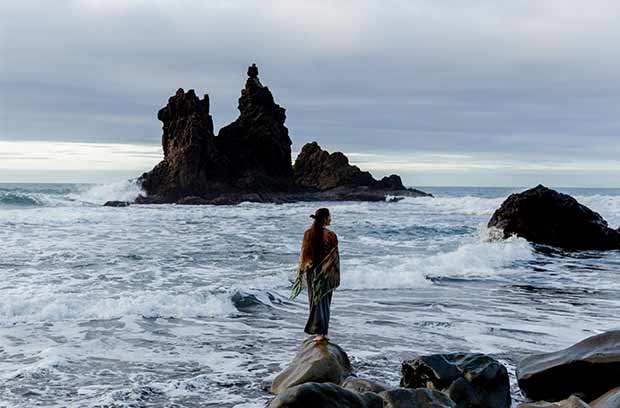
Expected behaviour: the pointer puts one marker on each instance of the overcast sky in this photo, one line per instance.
(498, 92)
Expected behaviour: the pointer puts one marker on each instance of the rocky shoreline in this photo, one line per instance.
(321, 375)
(250, 159)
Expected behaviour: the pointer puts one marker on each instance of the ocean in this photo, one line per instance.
(187, 306)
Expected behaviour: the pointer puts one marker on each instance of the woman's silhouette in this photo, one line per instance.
(319, 269)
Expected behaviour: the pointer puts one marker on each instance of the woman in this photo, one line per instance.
(319, 267)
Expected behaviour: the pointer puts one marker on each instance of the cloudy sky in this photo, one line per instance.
(489, 93)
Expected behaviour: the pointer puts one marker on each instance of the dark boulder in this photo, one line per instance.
(589, 369)
(315, 395)
(471, 380)
(116, 204)
(322, 362)
(416, 398)
(361, 385)
(544, 216)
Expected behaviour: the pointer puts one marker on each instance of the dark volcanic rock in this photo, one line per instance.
(361, 385)
(192, 164)
(314, 362)
(257, 143)
(316, 168)
(589, 369)
(116, 204)
(471, 380)
(333, 176)
(416, 398)
(315, 395)
(544, 216)
(249, 160)
(251, 155)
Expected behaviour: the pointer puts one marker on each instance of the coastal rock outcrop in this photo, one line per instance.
(314, 395)
(588, 369)
(252, 155)
(321, 362)
(544, 216)
(249, 159)
(332, 175)
(361, 385)
(416, 398)
(257, 143)
(471, 380)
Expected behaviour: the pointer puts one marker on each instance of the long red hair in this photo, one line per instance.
(316, 237)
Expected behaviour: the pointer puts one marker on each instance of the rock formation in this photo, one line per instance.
(544, 216)
(589, 369)
(331, 177)
(361, 385)
(250, 159)
(416, 398)
(472, 380)
(314, 362)
(315, 395)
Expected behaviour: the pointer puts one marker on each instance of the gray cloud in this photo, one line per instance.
(518, 79)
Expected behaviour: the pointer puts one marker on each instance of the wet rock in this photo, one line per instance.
(315, 395)
(416, 398)
(544, 216)
(571, 402)
(361, 385)
(610, 399)
(116, 204)
(471, 380)
(589, 369)
(321, 362)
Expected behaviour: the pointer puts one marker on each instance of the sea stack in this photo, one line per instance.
(250, 159)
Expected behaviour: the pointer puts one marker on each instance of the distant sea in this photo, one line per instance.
(187, 306)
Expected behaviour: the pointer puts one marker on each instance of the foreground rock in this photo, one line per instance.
(571, 402)
(589, 369)
(361, 385)
(250, 159)
(116, 204)
(611, 399)
(321, 362)
(544, 216)
(471, 380)
(416, 398)
(315, 395)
